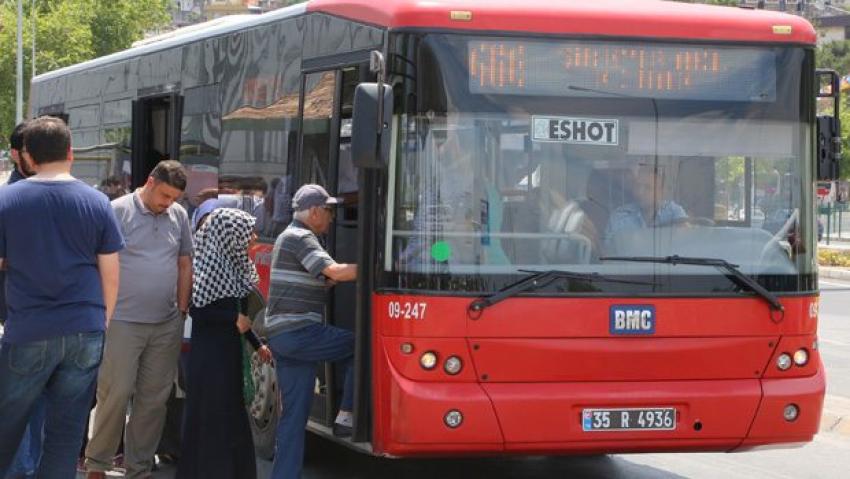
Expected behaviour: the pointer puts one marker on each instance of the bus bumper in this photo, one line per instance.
(769, 426)
(545, 418)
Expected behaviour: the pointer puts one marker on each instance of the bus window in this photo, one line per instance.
(259, 127)
(200, 143)
(319, 90)
(347, 181)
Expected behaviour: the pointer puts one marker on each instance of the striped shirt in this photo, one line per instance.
(297, 294)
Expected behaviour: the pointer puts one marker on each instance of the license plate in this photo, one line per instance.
(629, 419)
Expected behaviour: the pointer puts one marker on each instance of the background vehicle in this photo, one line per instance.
(499, 308)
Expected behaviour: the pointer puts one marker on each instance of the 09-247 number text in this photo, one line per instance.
(407, 310)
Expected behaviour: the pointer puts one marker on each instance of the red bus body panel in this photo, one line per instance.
(531, 365)
(639, 18)
(261, 255)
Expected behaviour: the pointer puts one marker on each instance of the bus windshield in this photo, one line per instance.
(519, 155)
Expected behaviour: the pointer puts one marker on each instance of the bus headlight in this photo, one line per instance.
(453, 419)
(801, 357)
(453, 365)
(428, 360)
(783, 362)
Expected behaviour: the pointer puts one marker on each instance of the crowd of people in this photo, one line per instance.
(97, 292)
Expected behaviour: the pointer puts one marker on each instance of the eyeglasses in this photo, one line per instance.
(330, 209)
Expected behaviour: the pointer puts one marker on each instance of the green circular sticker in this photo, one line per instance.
(441, 251)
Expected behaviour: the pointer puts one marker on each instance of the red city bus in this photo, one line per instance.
(558, 208)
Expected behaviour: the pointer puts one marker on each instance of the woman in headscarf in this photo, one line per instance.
(217, 442)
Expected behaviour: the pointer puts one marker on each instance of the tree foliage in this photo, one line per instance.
(68, 32)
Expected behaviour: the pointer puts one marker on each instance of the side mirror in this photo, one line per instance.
(828, 127)
(370, 138)
(828, 149)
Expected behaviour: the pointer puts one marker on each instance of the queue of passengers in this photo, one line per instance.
(97, 295)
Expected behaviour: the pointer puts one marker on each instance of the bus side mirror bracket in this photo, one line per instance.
(373, 108)
(828, 128)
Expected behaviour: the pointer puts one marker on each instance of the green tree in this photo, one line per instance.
(834, 56)
(119, 23)
(68, 32)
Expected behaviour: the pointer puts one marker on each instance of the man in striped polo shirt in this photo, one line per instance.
(301, 273)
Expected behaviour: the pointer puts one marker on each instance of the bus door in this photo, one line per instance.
(156, 133)
(324, 145)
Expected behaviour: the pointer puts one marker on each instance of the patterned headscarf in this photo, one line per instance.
(221, 263)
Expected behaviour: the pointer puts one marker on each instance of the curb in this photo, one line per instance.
(833, 272)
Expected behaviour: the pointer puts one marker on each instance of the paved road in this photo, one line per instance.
(826, 458)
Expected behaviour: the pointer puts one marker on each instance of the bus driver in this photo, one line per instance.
(648, 209)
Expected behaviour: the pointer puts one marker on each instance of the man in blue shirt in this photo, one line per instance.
(649, 208)
(59, 243)
(16, 144)
(29, 452)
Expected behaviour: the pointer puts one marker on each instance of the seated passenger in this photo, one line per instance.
(566, 217)
(648, 209)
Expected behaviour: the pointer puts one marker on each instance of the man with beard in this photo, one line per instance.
(16, 145)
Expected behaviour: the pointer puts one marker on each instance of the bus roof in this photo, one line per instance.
(610, 18)
(181, 36)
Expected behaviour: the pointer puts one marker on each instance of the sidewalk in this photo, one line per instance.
(836, 415)
(835, 272)
(841, 244)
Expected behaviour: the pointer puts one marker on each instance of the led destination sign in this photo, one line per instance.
(599, 69)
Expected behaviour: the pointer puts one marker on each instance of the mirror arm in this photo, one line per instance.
(377, 64)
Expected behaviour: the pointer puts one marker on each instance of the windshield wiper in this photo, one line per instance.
(539, 279)
(722, 264)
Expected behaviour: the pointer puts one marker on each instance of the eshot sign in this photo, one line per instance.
(582, 131)
(632, 319)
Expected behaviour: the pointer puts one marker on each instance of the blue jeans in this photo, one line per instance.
(64, 369)
(29, 452)
(297, 355)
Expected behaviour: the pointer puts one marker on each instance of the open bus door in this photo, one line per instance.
(156, 133)
(325, 115)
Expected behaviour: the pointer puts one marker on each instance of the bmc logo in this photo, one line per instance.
(632, 319)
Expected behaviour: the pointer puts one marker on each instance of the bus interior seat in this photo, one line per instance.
(535, 215)
(522, 217)
(575, 246)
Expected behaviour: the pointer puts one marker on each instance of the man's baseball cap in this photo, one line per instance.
(311, 195)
